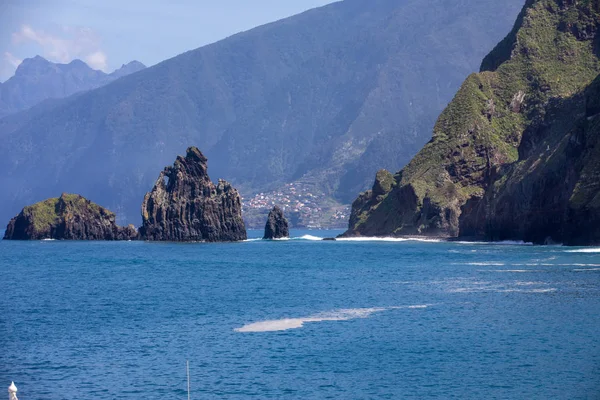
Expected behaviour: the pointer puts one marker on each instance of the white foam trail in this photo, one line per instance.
(48, 240)
(285, 324)
(390, 239)
(484, 263)
(498, 290)
(520, 283)
(550, 290)
(260, 239)
(512, 270)
(590, 250)
(586, 269)
(501, 243)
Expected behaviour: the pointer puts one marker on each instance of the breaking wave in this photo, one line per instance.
(308, 237)
(500, 243)
(590, 250)
(391, 239)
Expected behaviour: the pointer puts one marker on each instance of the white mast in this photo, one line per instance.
(12, 392)
(187, 367)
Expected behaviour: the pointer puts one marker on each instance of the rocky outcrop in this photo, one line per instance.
(68, 217)
(186, 206)
(514, 155)
(277, 226)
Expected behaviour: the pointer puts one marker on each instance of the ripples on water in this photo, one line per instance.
(300, 319)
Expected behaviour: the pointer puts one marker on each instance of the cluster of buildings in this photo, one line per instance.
(304, 205)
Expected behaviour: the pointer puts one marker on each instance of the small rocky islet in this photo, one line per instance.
(277, 226)
(68, 217)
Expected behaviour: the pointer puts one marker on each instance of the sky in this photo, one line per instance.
(109, 33)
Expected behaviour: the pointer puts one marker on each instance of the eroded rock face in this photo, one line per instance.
(186, 206)
(68, 217)
(515, 155)
(277, 225)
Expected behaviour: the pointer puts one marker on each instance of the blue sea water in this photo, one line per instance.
(300, 319)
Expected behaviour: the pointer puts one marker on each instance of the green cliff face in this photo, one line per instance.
(68, 217)
(510, 131)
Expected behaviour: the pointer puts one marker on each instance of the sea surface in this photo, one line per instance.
(301, 319)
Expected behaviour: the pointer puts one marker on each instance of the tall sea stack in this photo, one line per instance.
(186, 206)
(277, 226)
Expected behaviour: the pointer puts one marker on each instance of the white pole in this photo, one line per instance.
(12, 392)
(188, 377)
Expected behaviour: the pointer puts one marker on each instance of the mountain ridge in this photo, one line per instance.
(36, 79)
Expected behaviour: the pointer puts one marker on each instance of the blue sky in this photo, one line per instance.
(109, 33)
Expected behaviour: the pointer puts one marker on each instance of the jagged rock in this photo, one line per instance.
(186, 206)
(277, 226)
(68, 217)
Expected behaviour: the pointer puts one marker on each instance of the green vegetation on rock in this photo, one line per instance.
(529, 95)
(69, 217)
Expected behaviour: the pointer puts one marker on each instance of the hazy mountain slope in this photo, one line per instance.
(330, 95)
(514, 154)
(37, 79)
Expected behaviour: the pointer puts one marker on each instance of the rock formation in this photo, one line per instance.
(277, 226)
(186, 206)
(515, 154)
(69, 217)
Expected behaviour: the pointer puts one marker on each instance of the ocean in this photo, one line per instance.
(300, 319)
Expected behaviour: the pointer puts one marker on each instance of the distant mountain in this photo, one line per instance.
(328, 97)
(37, 79)
(516, 154)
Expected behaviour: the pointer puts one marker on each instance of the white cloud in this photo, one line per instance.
(97, 60)
(8, 65)
(65, 45)
(12, 60)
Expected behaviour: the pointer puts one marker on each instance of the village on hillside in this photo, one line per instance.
(304, 205)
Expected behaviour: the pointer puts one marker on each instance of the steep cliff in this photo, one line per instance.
(68, 217)
(552, 195)
(512, 156)
(185, 205)
(277, 226)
